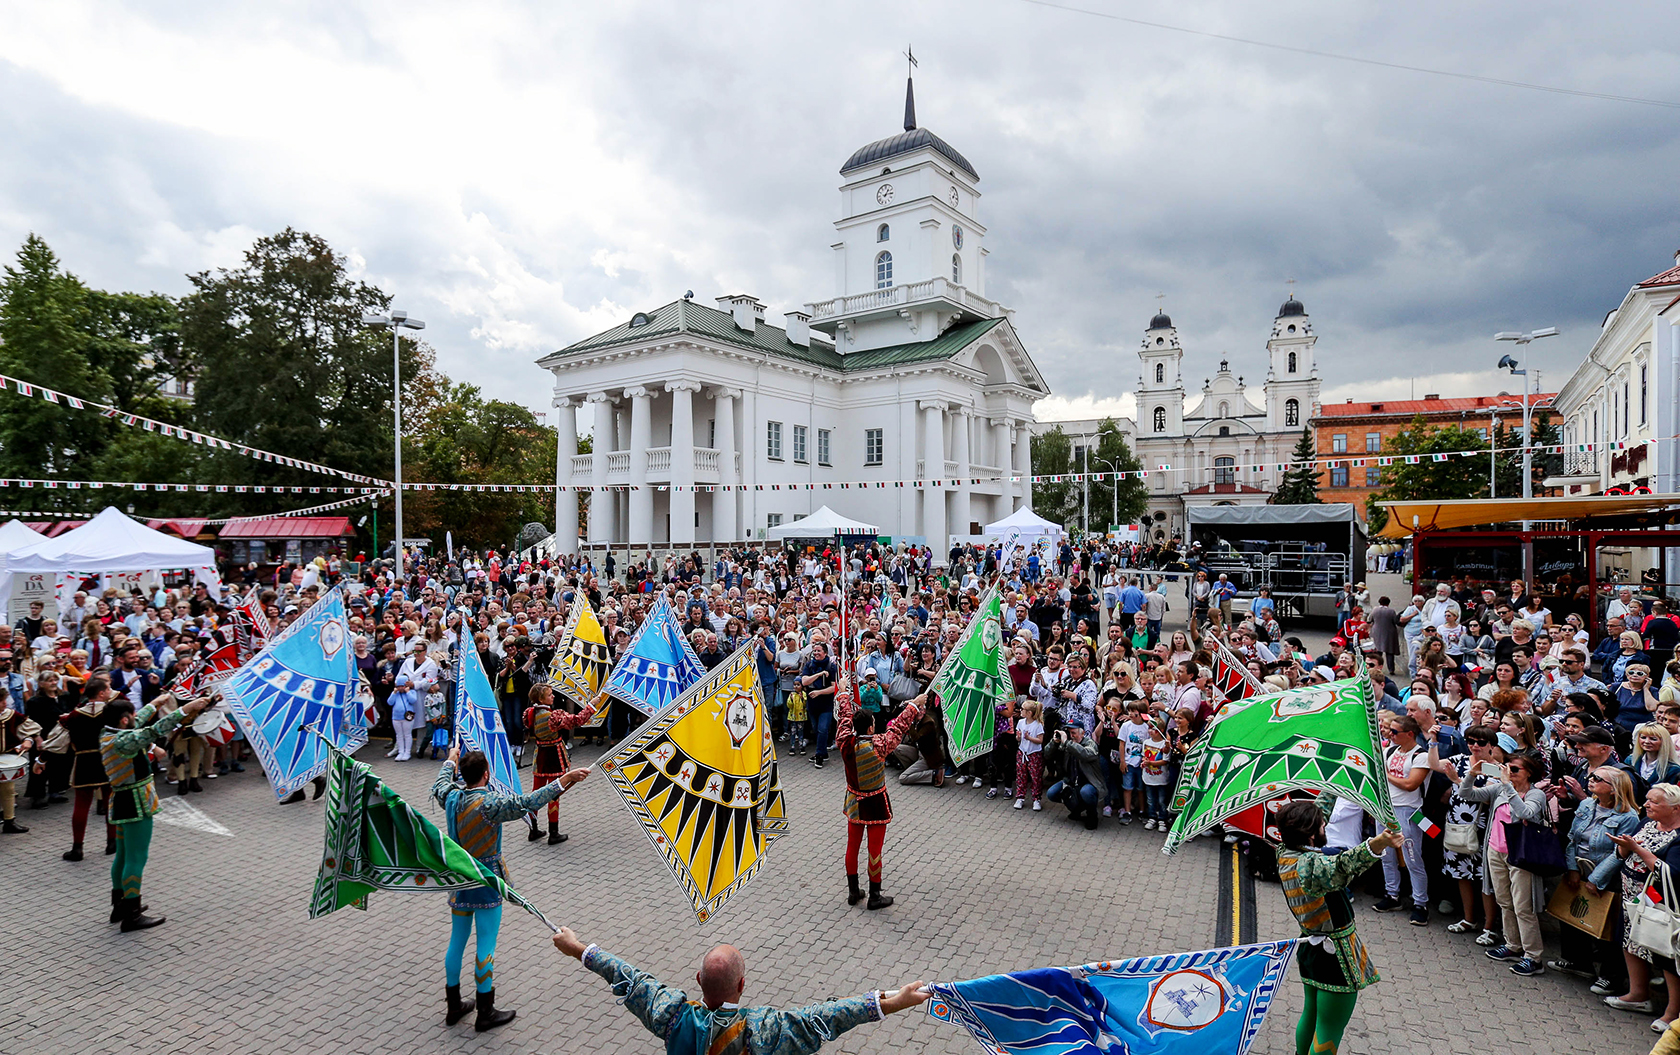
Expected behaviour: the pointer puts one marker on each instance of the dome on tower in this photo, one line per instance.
(1292, 307)
(905, 143)
(1161, 321)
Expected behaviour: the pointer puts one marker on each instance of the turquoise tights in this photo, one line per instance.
(1323, 1020)
(488, 923)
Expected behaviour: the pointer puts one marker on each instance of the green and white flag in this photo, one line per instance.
(974, 681)
(1320, 738)
(376, 841)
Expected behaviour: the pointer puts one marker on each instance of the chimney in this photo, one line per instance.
(745, 307)
(1430, 397)
(798, 328)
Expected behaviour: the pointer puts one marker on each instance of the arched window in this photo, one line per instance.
(883, 271)
(1160, 419)
(882, 233)
(956, 268)
(1291, 413)
(1291, 366)
(1160, 373)
(1225, 470)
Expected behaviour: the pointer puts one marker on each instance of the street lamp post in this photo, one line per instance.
(1114, 491)
(398, 321)
(1509, 363)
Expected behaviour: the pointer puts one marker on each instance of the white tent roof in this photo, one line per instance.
(822, 524)
(1026, 522)
(111, 541)
(16, 536)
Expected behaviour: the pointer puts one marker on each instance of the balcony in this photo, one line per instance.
(938, 293)
(708, 466)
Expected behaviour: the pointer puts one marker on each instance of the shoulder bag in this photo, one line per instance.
(1534, 848)
(1654, 926)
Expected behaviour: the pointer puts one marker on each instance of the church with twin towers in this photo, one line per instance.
(903, 400)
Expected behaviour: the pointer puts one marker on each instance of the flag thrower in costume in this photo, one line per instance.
(700, 778)
(306, 676)
(1186, 1004)
(974, 682)
(1320, 737)
(478, 722)
(376, 841)
(657, 665)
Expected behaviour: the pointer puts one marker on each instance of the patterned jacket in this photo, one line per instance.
(865, 759)
(124, 753)
(690, 1028)
(475, 817)
(552, 758)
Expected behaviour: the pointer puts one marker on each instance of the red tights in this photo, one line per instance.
(854, 836)
(79, 812)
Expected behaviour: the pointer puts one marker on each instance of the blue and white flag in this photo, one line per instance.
(1193, 1002)
(478, 722)
(306, 676)
(657, 666)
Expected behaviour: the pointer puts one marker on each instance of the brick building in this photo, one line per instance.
(1359, 430)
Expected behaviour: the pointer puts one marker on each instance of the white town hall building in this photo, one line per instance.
(702, 417)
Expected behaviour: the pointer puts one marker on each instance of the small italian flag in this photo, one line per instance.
(1425, 825)
(1652, 896)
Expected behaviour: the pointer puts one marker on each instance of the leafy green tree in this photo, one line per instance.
(1052, 455)
(464, 438)
(1455, 476)
(1112, 453)
(1300, 482)
(1541, 465)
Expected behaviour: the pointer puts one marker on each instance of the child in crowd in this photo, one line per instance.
(1133, 733)
(1157, 776)
(1029, 758)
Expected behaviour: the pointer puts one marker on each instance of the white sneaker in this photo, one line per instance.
(980, 784)
(1036, 807)
(1018, 803)
(963, 779)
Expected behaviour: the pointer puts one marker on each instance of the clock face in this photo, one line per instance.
(884, 196)
(953, 197)
(956, 236)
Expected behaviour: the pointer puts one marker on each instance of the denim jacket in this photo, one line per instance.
(1589, 839)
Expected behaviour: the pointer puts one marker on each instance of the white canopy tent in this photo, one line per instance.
(110, 542)
(16, 537)
(824, 523)
(1031, 526)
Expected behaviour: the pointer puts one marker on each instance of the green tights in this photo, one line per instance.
(1323, 1020)
(134, 842)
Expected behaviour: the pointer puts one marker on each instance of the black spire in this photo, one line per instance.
(909, 91)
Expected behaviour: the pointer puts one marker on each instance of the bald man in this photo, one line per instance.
(716, 1024)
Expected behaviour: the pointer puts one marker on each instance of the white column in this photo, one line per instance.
(602, 513)
(905, 443)
(933, 498)
(565, 501)
(1002, 458)
(961, 431)
(682, 461)
(640, 529)
(1023, 466)
(724, 527)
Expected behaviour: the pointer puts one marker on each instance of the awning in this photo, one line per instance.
(1253, 516)
(1481, 512)
(187, 529)
(289, 527)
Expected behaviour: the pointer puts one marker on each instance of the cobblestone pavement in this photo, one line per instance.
(240, 967)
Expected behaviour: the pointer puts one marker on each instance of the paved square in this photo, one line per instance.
(240, 967)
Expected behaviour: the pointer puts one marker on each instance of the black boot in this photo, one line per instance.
(320, 788)
(117, 909)
(554, 834)
(196, 786)
(74, 853)
(488, 1016)
(181, 788)
(99, 807)
(296, 796)
(110, 845)
(855, 894)
(535, 833)
(133, 920)
(11, 827)
(876, 898)
(458, 1008)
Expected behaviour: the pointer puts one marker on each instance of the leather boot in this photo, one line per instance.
(320, 788)
(876, 898)
(117, 910)
(855, 894)
(196, 786)
(75, 854)
(11, 827)
(181, 788)
(133, 920)
(296, 796)
(488, 1016)
(458, 1008)
(535, 832)
(110, 845)
(554, 834)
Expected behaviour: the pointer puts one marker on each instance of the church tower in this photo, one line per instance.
(911, 258)
(1160, 391)
(1292, 376)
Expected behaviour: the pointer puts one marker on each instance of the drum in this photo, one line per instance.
(13, 767)
(215, 724)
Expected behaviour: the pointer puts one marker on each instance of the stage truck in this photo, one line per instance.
(1303, 554)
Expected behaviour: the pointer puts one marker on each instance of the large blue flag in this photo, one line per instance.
(1193, 1002)
(478, 721)
(306, 676)
(657, 666)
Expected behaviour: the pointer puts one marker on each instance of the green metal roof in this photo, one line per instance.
(685, 316)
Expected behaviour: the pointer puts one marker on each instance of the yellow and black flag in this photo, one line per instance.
(581, 662)
(700, 778)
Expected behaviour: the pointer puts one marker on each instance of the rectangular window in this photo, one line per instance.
(1338, 443)
(1373, 476)
(773, 520)
(873, 448)
(1373, 442)
(711, 433)
(799, 443)
(773, 440)
(1644, 384)
(1338, 476)
(1482, 432)
(823, 447)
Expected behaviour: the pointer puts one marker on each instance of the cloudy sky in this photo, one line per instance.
(521, 175)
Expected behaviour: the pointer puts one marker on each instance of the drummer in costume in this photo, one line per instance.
(546, 724)
(863, 753)
(1333, 961)
(18, 737)
(126, 749)
(475, 816)
(87, 770)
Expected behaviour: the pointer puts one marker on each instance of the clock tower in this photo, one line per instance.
(911, 258)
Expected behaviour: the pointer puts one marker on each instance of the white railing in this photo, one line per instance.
(982, 472)
(582, 466)
(618, 465)
(708, 461)
(903, 294)
(658, 462)
(951, 470)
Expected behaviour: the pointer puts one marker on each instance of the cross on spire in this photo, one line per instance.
(909, 89)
